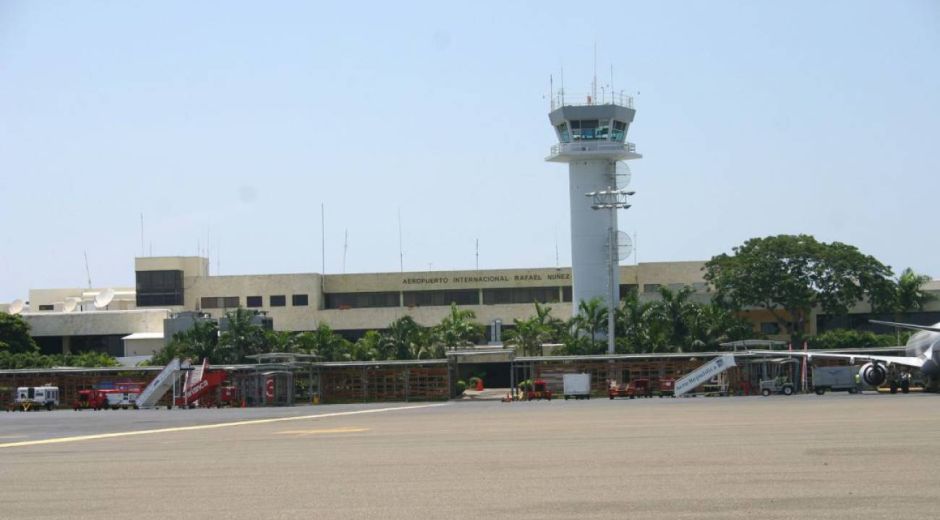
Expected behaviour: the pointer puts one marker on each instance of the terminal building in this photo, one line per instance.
(132, 322)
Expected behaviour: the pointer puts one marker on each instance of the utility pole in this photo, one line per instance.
(611, 199)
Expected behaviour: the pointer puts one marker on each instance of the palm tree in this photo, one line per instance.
(403, 339)
(241, 337)
(910, 293)
(458, 329)
(590, 320)
(329, 345)
(633, 326)
(673, 311)
(527, 335)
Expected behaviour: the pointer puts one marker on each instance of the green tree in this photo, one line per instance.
(369, 347)
(457, 329)
(14, 335)
(529, 334)
(201, 341)
(590, 321)
(329, 345)
(910, 294)
(241, 337)
(673, 311)
(405, 339)
(637, 330)
(789, 275)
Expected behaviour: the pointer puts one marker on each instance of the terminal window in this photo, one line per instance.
(278, 300)
(442, 298)
(253, 302)
(626, 289)
(563, 134)
(362, 300)
(158, 288)
(298, 300)
(520, 295)
(651, 288)
(220, 302)
(46, 307)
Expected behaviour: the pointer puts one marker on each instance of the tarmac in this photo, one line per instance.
(833, 456)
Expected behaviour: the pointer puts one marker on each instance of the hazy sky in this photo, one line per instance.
(231, 122)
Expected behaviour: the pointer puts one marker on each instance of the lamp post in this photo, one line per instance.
(611, 199)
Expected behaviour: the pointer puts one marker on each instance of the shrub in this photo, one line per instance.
(461, 386)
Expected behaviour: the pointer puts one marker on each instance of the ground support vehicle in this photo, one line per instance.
(776, 386)
(577, 386)
(198, 391)
(616, 390)
(667, 387)
(836, 379)
(93, 399)
(29, 397)
(640, 387)
(539, 391)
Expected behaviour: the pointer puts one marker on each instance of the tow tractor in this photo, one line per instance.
(90, 398)
(538, 391)
(640, 387)
(667, 387)
(777, 385)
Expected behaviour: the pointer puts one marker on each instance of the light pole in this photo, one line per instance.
(611, 199)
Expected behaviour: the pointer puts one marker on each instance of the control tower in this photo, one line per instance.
(592, 140)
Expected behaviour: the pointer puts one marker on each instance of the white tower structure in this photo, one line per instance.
(592, 139)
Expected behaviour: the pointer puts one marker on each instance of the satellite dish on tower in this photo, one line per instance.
(16, 307)
(624, 245)
(104, 298)
(70, 304)
(622, 174)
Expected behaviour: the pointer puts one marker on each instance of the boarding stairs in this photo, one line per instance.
(703, 374)
(161, 384)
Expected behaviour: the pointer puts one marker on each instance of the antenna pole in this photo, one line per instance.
(345, 248)
(401, 253)
(594, 85)
(87, 271)
(322, 239)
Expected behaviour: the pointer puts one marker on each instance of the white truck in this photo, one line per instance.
(577, 386)
(836, 379)
(29, 397)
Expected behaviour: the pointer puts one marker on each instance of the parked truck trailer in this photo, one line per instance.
(836, 379)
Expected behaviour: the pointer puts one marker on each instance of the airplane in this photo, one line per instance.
(922, 352)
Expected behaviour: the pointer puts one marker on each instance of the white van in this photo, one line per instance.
(28, 397)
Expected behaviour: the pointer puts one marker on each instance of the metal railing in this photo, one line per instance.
(593, 146)
(564, 99)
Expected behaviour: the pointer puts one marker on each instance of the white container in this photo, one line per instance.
(577, 385)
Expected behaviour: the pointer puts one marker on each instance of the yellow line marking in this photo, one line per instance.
(60, 440)
(318, 432)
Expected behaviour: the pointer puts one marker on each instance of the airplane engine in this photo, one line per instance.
(873, 374)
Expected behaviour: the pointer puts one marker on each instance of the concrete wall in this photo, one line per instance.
(95, 323)
(142, 347)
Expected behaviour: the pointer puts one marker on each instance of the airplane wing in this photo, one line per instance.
(910, 326)
(915, 362)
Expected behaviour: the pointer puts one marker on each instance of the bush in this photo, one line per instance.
(461, 386)
(472, 383)
(843, 338)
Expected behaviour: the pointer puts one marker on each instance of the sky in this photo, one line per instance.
(228, 126)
